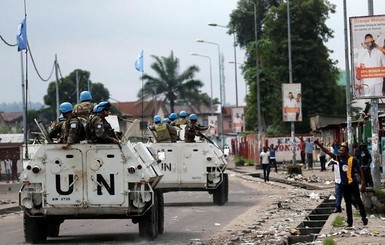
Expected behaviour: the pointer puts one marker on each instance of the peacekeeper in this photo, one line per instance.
(182, 120)
(85, 107)
(98, 129)
(173, 116)
(73, 128)
(164, 131)
(193, 129)
(56, 129)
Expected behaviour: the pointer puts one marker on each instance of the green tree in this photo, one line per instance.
(312, 66)
(67, 91)
(177, 88)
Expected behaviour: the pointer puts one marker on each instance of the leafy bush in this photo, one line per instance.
(249, 162)
(294, 169)
(239, 161)
(329, 241)
(338, 221)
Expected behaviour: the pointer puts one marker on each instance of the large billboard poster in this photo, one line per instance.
(213, 123)
(368, 49)
(291, 102)
(237, 119)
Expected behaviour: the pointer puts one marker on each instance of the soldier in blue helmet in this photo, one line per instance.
(73, 128)
(173, 116)
(164, 131)
(182, 120)
(193, 129)
(98, 129)
(84, 109)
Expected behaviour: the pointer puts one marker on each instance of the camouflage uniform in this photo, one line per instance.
(73, 131)
(56, 132)
(83, 111)
(100, 131)
(191, 131)
(180, 121)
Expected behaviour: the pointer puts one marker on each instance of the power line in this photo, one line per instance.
(34, 65)
(7, 43)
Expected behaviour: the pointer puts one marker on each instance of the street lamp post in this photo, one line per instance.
(220, 87)
(240, 66)
(211, 81)
(235, 62)
(257, 79)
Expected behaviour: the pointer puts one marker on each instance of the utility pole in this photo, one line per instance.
(375, 165)
(293, 145)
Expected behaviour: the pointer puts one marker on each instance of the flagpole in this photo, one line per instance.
(24, 87)
(142, 112)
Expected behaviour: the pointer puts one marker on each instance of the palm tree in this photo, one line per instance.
(174, 86)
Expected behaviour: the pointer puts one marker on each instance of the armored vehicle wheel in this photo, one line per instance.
(160, 212)
(53, 227)
(148, 223)
(35, 229)
(226, 182)
(219, 194)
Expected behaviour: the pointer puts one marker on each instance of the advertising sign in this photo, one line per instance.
(291, 102)
(368, 55)
(237, 119)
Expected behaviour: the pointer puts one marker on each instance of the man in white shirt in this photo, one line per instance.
(265, 162)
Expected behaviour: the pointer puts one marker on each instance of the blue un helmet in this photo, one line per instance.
(183, 114)
(104, 105)
(193, 117)
(166, 120)
(85, 95)
(173, 116)
(65, 107)
(157, 119)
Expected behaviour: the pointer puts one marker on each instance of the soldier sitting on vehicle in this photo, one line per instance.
(98, 130)
(164, 131)
(84, 109)
(73, 128)
(193, 129)
(56, 129)
(173, 116)
(182, 120)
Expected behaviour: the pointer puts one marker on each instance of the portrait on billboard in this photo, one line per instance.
(368, 49)
(213, 126)
(291, 102)
(237, 119)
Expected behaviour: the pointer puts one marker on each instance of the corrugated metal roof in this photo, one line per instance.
(11, 138)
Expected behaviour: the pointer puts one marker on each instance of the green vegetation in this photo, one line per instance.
(312, 65)
(329, 241)
(175, 87)
(239, 161)
(338, 221)
(380, 193)
(249, 162)
(294, 169)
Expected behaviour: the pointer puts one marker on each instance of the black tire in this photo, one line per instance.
(148, 223)
(35, 229)
(160, 212)
(53, 227)
(226, 183)
(219, 195)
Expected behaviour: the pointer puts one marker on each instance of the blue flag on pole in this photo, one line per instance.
(21, 36)
(139, 62)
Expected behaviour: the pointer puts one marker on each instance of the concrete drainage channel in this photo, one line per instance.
(309, 229)
(313, 223)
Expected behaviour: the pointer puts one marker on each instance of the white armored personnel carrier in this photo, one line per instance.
(90, 181)
(198, 166)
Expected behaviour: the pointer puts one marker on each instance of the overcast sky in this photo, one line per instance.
(105, 38)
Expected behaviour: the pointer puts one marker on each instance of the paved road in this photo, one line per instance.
(189, 217)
